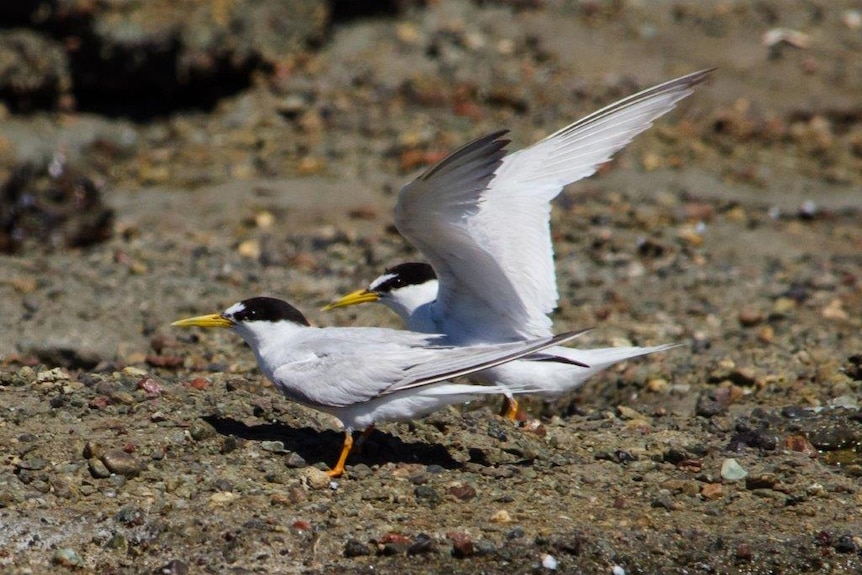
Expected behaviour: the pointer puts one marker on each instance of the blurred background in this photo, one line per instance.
(196, 93)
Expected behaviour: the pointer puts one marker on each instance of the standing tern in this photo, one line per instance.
(363, 376)
(481, 217)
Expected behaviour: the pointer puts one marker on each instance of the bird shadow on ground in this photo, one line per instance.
(316, 446)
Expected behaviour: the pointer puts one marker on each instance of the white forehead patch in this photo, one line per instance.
(379, 281)
(234, 309)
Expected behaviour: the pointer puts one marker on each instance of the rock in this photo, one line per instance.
(834, 433)
(175, 567)
(846, 544)
(628, 413)
(712, 491)
(64, 487)
(658, 385)
(122, 463)
(799, 444)
(708, 406)
(422, 543)
(462, 492)
(34, 72)
(356, 548)
(98, 469)
(732, 471)
(273, 446)
(756, 438)
(222, 498)
(52, 208)
(749, 317)
(134, 53)
(66, 557)
(393, 544)
(427, 494)
(201, 430)
(664, 501)
(501, 516)
(549, 562)
(761, 481)
(150, 386)
(33, 463)
(294, 461)
(462, 545)
(52, 375)
(130, 516)
(783, 306)
(315, 478)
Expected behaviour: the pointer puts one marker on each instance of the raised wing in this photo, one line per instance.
(482, 219)
(513, 222)
(433, 213)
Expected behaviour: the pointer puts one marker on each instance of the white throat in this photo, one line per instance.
(269, 340)
(413, 305)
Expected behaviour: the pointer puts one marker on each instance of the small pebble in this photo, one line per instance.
(852, 19)
(356, 548)
(422, 543)
(294, 461)
(315, 478)
(799, 444)
(273, 446)
(549, 562)
(712, 491)
(201, 430)
(501, 516)
(223, 498)
(462, 545)
(732, 471)
(749, 317)
(149, 385)
(98, 469)
(463, 492)
(175, 567)
(67, 558)
(122, 463)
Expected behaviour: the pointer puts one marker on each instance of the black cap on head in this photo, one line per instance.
(265, 309)
(403, 275)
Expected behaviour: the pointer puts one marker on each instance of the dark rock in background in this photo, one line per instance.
(52, 207)
(144, 59)
(34, 72)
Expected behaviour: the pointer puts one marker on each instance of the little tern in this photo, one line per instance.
(481, 217)
(363, 376)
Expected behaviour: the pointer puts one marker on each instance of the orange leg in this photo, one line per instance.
(338, 470)
(509, 409)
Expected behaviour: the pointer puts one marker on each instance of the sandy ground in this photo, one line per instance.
(733, 227)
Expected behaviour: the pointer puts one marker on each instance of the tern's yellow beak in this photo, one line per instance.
(359, 296)
(212, 320)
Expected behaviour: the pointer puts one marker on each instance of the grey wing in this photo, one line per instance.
(345, 369)
(338, 367)
(459, 361)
